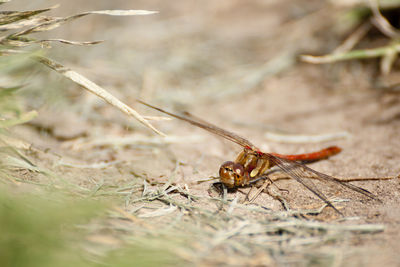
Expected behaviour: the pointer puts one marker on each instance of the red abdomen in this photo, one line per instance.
(314, 156)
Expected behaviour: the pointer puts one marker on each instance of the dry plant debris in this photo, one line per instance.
(388, 53)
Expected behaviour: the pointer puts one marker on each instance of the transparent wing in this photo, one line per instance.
(303, 174)
(207, 126)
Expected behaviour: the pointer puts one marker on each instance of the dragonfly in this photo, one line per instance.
(252, 164)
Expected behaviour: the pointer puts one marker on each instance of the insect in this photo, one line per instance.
(251, 164)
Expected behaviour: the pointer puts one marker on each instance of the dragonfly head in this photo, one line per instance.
(231, 174)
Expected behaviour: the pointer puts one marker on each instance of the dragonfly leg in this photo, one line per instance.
(266, 184)
(247, 198)
(281, 199)
(273, 193)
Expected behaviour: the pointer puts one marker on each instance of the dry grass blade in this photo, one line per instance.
(68, 42)
(48, 23)
(95, 89)
(156, 118)
(122, 12)
(159, 212)
(338, 227)
(23, 23)
(354, 54)
(13, 16)
(56, 22)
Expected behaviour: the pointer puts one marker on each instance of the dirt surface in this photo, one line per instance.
(211, 59)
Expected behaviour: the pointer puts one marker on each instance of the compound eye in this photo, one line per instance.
(227, 164)
(238, 169)
(226, 169)
(226, 174)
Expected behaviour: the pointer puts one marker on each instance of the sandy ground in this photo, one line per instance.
(200, 58)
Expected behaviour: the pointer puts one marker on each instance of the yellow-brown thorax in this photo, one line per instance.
(248, 166)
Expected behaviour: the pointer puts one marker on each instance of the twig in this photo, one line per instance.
(381, 22)
(354, 38)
